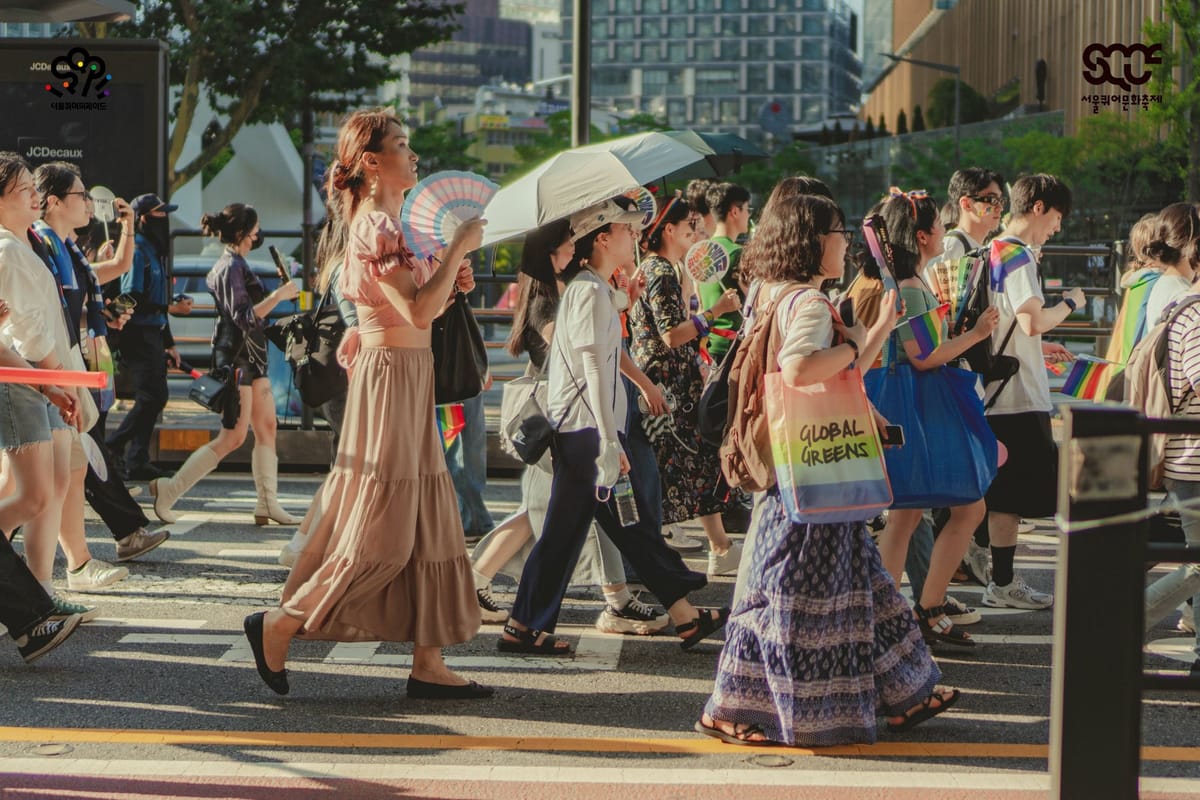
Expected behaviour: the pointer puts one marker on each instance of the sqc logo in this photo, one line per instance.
(1100, 66)
(79, 73)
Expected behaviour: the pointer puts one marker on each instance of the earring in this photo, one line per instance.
(374, 186)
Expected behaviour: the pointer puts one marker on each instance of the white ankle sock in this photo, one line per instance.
(618, 600)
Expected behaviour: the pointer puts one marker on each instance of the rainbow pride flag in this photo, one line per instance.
(1086, 377)
(928, 329)
(450, 422)
(1006, 258)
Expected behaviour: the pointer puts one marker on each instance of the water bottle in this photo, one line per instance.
(627, 512)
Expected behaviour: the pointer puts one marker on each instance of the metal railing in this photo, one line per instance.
(1098, 677)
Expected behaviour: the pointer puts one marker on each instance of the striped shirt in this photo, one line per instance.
(1183, 353)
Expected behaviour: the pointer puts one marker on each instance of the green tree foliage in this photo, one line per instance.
(940, 114)
(1179, 112)
(760, 177)
(440, 147)
(918, 123)
(901, 123)
(264, 61)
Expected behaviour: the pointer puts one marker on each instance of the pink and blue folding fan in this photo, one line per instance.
(435, 207)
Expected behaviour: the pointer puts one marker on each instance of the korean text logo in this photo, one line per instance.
(79, 74)
(1116, 65)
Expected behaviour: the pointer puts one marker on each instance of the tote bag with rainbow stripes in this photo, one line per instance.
(825, 444)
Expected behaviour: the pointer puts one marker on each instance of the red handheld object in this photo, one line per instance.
(53, 377)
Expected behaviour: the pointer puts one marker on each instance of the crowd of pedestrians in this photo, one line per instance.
(621, 340)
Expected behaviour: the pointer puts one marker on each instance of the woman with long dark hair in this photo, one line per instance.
(822, 640)
(588, 402)
(385, 558)
(239, 343)
(547, 265)
(668, 332)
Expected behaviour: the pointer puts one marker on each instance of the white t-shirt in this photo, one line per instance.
(804, 322)
(1165, 290)
(587, 319)
(1029, 389)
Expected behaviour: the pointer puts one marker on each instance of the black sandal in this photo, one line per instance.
(702, 626)
(740, 735)
(943, 630)
(527, 643)
(926, 711)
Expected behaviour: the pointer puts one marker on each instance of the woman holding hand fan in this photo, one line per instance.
(668, 333)
(385, 558)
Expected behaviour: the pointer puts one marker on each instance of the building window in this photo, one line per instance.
(651, 28)
(651, 6)
(624, 53)
(705, 28)
(730, 111)
(706, 5)
(625, 29)
(812, 110)
(812, 50)
(623, 6)
(677, 29)
(704, 52)
(784, 49)
(702, 111)
(758, 25)
(762, 5)
(677, 52)
(677, 112)
(813, 25)
(812, 78)
(716, 81)
(679, 6)
(599, 53)
(731, 26)
(785, 23)
(756, 78)
(731, 5)
(785, 79)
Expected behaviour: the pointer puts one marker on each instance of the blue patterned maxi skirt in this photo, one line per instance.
(822, 641)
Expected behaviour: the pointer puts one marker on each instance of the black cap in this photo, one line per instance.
(145, 203)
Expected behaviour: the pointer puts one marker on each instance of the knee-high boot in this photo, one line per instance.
(265, 465)
(166, 491)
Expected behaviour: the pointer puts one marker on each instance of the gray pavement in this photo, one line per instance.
(163, 685)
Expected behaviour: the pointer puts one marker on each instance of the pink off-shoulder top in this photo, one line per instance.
(375, 249)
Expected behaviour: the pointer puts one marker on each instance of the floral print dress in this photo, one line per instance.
(689, 467)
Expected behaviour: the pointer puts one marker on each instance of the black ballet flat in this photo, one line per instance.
(423, 690)
(276, 680)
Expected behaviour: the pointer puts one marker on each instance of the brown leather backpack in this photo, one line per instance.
(746, 449)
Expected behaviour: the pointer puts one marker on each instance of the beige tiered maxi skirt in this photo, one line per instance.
(386, 558)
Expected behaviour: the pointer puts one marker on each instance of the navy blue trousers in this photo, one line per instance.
(569, 515)
(23, 601)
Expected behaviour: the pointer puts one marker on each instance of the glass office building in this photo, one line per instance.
(741, 66)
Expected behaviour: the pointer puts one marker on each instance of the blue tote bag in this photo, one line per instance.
(949, 457)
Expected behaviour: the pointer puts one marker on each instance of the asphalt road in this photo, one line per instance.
(159, 698)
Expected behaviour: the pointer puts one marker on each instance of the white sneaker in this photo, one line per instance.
(95, 574)
(1187, 619)
(725, 563)
(287, 556)
(635, 617)
(1025, 526)
(676, 539)
(1017, 594)
(978, 563)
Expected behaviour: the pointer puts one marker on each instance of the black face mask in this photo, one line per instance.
(158, 231)
(257, 241)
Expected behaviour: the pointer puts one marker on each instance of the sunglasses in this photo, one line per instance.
(993, 200)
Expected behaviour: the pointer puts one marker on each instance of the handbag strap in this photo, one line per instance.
(1003, 344)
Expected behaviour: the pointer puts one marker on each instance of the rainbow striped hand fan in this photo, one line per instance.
(645, 203)
(706, 262)
(435, 207)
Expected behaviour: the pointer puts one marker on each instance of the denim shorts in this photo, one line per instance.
(26, 416)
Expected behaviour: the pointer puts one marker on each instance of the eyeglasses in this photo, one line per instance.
(87, 198)
(847, 232)
(993, 200)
